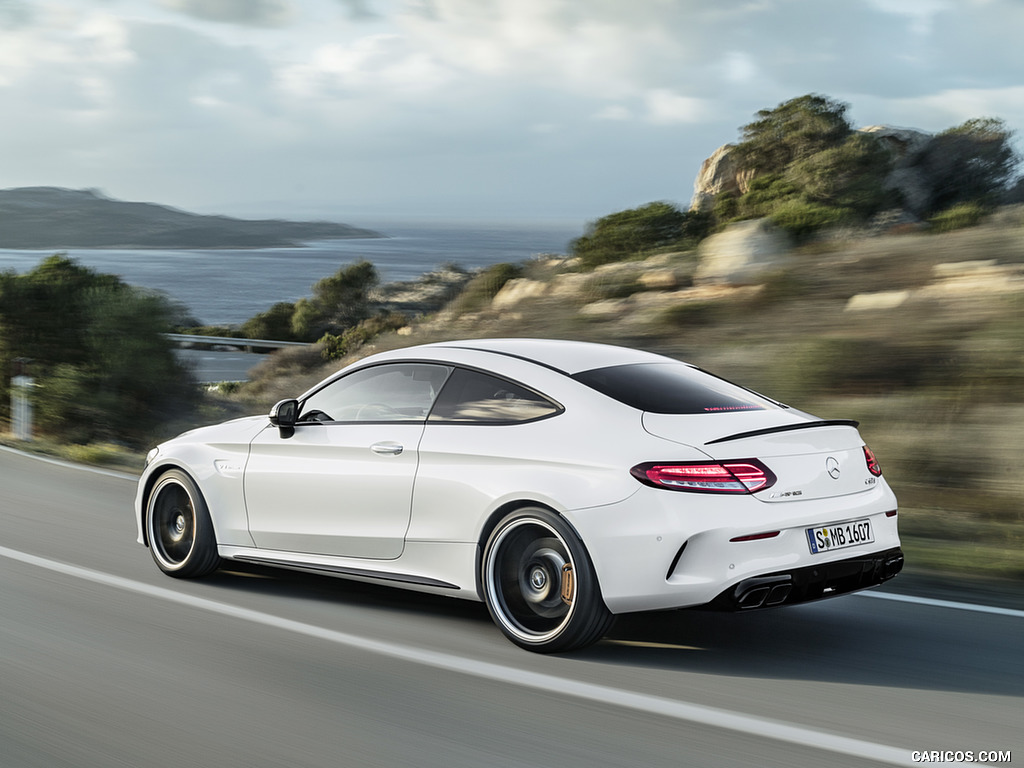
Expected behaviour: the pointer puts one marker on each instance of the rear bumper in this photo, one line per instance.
(659, 550)
(801, 585)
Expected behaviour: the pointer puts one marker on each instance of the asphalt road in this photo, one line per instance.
(105, 662)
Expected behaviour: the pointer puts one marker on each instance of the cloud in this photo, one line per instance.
(249, 13)
(15, 13)
(359, 9)
(564, 101)
(614, 112)
(665, 107)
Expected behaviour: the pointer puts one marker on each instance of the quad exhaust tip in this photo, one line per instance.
(763, 592)
(809, 583)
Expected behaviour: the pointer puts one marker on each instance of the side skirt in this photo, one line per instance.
(347, 572)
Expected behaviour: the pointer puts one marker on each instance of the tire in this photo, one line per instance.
(531, 558)
(181, 537)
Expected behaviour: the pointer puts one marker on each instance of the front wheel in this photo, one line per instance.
(540, 586)
(181, 537)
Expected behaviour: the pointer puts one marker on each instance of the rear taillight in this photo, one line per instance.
(739, 476)
(873, 466)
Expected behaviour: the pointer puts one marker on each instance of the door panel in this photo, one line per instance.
(333, 489)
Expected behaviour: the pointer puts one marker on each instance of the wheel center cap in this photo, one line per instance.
(538, 578)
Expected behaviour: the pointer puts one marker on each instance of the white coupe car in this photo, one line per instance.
(558, 482)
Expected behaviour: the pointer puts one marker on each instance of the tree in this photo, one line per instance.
(849, 175)
(103, 368)
(808, 169)
(793, 131)
(339, 302)
(972, 162)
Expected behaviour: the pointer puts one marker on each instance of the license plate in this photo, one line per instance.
(830, 537)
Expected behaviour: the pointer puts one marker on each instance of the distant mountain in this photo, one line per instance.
(50, 217)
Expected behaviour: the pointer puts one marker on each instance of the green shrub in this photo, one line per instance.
(958, 216)
(336, 346)
(275, 324)
(801, 218)
(632, 233)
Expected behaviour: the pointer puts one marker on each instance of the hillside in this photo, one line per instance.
(919, 336)
(54, 218)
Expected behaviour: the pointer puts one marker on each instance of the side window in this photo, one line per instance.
(477, 398)
(397, 392)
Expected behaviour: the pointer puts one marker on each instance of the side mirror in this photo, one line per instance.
(283, 415)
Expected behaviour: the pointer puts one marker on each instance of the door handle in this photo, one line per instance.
(387, 448)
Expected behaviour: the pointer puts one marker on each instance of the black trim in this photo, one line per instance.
(787, 428)
(524, 358)
(560, 409)
(340, 570)
(812, 582)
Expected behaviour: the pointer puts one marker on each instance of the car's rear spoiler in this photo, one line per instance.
(786, 428)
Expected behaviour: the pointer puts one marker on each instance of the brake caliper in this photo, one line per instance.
(567, 583)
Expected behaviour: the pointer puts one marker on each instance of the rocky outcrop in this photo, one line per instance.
(742, 254)
(908, 175)
(718, 174)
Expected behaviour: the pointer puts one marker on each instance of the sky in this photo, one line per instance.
(500, 110)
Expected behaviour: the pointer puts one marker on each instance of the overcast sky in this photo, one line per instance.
(487, 109)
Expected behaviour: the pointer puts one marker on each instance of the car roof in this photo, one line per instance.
(565, 356)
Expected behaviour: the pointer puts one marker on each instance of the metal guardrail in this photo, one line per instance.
(188, 338)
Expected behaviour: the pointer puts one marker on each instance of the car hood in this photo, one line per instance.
(810, 457)
(235, 431)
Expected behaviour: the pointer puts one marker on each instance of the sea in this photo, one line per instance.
(228, 286)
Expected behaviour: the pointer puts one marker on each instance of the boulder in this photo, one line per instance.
(515, 291)
(659, 279)
(742, 254)
(880, 300)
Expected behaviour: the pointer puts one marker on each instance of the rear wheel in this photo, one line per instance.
(539, 584)
(181, 537)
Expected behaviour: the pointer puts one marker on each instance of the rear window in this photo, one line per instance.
(672, 388)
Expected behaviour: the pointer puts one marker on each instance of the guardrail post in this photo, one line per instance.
(21, 402)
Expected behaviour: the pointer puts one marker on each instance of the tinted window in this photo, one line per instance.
(400, 392)
(478, 398)
(672, 388)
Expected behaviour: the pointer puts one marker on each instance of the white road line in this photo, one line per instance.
(945, 604)
(655, 705)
